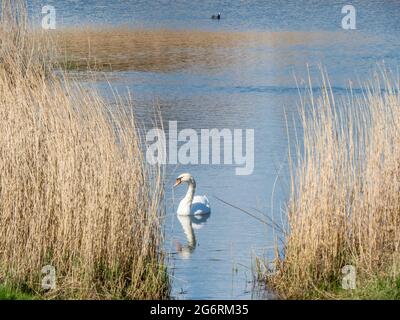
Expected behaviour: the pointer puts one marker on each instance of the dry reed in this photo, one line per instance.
(345, 192)
(75, 190)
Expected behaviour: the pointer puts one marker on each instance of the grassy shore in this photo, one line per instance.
(75, 190)
(10, 293)
(345, 196)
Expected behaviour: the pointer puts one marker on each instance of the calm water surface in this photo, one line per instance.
(252, 87)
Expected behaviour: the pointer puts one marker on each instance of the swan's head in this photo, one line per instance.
(184, 177)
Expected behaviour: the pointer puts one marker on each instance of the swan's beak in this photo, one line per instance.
(177, 182)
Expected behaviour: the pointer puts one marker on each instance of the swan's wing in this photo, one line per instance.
(201, 199)
(200, 205)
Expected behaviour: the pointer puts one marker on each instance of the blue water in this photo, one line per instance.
(276, 15)
(251, 86)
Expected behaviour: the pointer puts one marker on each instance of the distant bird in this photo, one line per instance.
(216, 17)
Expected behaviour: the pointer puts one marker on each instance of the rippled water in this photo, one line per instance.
(247, 85)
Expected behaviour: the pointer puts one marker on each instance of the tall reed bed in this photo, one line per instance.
(75, 191)
(345, 192)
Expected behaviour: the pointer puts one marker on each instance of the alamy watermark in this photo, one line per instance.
(349, 20)
(349, 278)
(49, 279)
(191, 147)
(49, 18)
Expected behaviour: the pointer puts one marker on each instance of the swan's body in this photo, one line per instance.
(199, 205)
(191, 204)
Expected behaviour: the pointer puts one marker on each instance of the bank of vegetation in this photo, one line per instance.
(344, 207)
(75, 191)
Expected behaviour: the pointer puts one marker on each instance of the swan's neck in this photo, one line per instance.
(186, 203)
(190, 192)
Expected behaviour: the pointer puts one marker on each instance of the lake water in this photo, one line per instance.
(249, 85)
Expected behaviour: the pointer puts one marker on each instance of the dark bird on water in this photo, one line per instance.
(217, 17)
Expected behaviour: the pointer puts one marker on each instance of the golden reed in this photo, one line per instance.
(75, 191)
(345, 191)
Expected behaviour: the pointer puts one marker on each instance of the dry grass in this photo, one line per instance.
(75, 191)
(345, 203)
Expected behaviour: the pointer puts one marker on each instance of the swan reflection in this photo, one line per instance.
(189, 224)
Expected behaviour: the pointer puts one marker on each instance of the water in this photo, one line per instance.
(242, 15)
(247, 85)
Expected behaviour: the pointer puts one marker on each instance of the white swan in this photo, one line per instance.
(191, 204)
